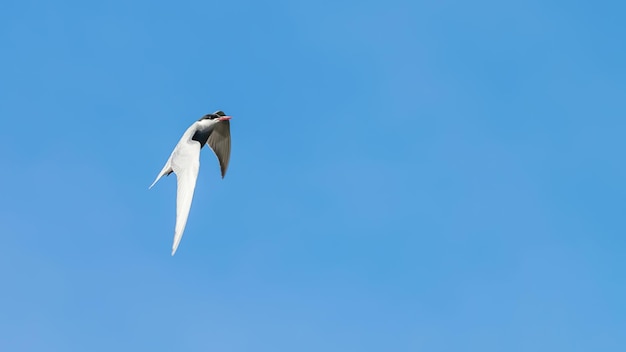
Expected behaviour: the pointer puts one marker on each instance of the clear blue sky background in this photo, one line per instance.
(405, 176)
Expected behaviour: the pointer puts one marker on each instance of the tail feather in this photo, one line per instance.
(167, 169)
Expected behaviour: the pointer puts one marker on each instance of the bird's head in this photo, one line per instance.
(216, 117)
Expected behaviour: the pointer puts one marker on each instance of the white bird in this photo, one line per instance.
(212, 129)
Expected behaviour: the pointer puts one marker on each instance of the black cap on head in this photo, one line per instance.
(212, 116)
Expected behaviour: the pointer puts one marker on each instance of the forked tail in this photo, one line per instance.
(167, 169)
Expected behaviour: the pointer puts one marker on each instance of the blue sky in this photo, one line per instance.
(405, 176)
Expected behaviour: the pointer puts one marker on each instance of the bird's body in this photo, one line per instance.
(211, 129)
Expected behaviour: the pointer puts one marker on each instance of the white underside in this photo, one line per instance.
(185, 163)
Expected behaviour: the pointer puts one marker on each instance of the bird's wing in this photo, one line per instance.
(185, 162)
(219, 141)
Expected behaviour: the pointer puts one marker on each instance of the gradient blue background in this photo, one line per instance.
(405, 176)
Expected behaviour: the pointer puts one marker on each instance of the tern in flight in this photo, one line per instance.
(212, 129)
